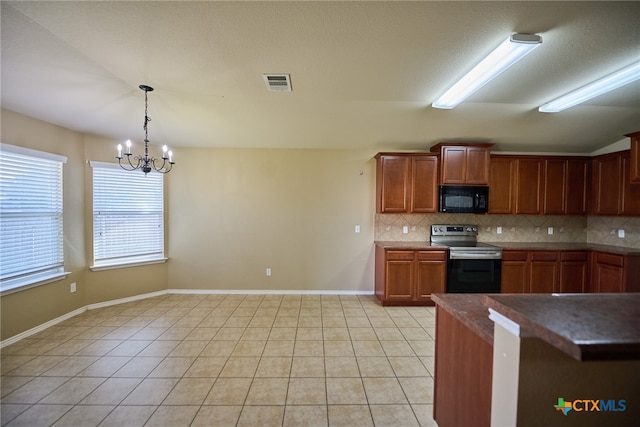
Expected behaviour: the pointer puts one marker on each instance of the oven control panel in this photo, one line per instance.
(454, 230)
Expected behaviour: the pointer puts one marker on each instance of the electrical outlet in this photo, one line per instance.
(405, 229)
(268, 272)
(550, 230)
(621, 234)
(357, 229)
(499, 230)
(72, 288)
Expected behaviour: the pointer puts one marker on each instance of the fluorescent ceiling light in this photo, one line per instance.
(606, 84)
(508, 53)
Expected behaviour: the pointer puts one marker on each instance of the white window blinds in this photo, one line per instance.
(31, 235)
(128, 219)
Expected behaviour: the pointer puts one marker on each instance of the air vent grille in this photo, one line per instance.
(278, 82)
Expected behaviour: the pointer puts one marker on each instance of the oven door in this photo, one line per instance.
(474, 273)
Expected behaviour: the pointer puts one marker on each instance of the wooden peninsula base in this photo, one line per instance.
(556, 360)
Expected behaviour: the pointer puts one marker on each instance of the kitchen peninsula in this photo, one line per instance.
(534, 352)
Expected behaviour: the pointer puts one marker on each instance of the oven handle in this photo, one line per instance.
(475, 255)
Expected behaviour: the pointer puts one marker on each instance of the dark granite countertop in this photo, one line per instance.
(469, 310)
(562, 246)
(420, 245)
(584, 326)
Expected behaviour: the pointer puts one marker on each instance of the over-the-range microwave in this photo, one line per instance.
(464, 199)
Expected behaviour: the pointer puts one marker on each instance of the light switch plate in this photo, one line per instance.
(405, 229)
(621, 234)
(499, 230)
(550, 230)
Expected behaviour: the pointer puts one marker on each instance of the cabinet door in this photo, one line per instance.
(543, 272)
(424, 184)
(555, 186)
(502, 174)
(454, 164)
(573, 272)
(477, 166)
(393, 181)
(634, 176)
(514, 272)
(528, 186)
(606, 182)
(399, 275)
(608, 277)
(630, 203)
(431, 275)
(607, 274)
(577, 181)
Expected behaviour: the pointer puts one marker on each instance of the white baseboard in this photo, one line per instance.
(110, 303)
(41, 327)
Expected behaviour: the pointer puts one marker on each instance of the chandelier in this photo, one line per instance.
(145, 162)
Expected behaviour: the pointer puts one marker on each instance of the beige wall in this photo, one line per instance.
(234, 213)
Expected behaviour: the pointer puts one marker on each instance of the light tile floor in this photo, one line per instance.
(226, 360)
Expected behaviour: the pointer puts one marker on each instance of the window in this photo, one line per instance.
(31, 237)
(128, 216)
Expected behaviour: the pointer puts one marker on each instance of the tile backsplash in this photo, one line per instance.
(515, 228)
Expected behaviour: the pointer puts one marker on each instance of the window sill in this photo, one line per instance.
(107, 266)
(32, 282)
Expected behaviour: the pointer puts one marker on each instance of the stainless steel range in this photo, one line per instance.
(472, 267)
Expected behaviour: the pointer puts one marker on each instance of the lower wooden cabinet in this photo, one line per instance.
(544, 271)
(614, 272)
(573, 272)
(409, 276)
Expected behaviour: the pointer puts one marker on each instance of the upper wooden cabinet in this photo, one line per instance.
(612, 191)
(565, 186)
(551, 185)
(406, 183)
(634, 173)
(463, 163)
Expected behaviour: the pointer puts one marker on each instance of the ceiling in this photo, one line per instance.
(364, 74)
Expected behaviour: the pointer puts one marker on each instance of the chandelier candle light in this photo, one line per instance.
(146, 163)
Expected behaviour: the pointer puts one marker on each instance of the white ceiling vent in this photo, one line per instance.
(278, 82)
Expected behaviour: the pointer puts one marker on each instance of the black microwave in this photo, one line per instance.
(464, 199)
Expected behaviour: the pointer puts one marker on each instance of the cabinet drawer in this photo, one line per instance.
(611, 259)
(573, 256)
(544, 256)
(514, 255)
(432, 255)
(399, 255)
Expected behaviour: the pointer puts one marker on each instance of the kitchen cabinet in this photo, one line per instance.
(528, 186)
(573, 271)
(543, 272)
(515, 272)
(613, 193)
(409, 276)
(550, 185)
(612, 272)
(630, 203)
(501, 184)
(463, 163)
(577, 186)
(406, 183)
(634, 175)
(565, 186)
(606, 188)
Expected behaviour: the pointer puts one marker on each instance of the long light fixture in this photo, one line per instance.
(626, 75)
(514, 48)
(145, 162)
